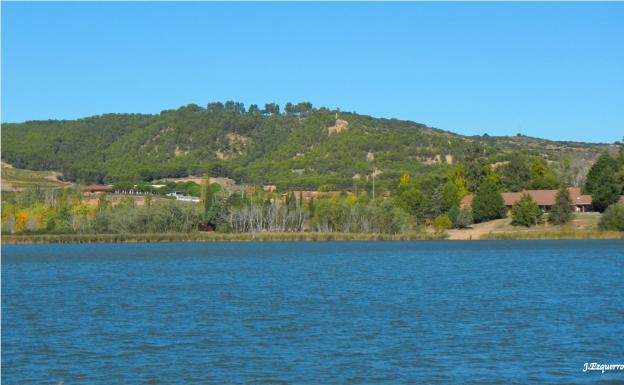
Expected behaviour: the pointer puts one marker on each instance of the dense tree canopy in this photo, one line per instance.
(488, 203)
(292, 149)
(613, 218)
(525, 212)
(561, 212)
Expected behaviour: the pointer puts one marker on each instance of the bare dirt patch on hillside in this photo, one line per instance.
(340, 126)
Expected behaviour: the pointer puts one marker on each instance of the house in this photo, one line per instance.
(97, 189)
(184, 198)
(545, 199)
(269, 187)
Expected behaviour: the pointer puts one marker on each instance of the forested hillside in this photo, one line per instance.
(300, 148)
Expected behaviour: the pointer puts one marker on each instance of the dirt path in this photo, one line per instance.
(476, 231)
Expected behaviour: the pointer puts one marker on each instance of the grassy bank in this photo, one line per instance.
(582, 226)
(555, 234)
(211, 237)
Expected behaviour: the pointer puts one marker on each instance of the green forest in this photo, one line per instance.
(299, 147)
(394, 176)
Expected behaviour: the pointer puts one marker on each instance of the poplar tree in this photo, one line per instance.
(206, 197)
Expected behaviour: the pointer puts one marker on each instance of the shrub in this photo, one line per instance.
(442, 222)
(613, 218)
(525, 212)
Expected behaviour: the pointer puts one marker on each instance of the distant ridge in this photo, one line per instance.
(302, 147)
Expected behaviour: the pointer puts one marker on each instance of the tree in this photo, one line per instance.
(206, 197)
(404, 180)
(292, 201)
(303, 108)
(561, 212)
(450, 196)
(21, 218)
(542, 177)
(442, 222)
(254, 110)
(464, 218)
(605, 163)
(488, 203)
(457, 177)
(215, 107)
(606, 191)
(412, 201)
(613, 218)
(271, 109)
(515, 175)
(525, 212)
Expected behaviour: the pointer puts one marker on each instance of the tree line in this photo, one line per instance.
(414, 202)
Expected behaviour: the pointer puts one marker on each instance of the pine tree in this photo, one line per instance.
(488, 203)
(604, 164)
(525, 212)
(561, 211)
(606, 192)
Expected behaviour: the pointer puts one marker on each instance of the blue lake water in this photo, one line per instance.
(313, 313)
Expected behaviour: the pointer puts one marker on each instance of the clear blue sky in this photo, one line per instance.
(552, 70)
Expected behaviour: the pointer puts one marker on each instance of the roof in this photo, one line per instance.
(541, 197)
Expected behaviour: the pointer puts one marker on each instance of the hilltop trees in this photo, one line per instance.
(271, 109)
(488, 203)
(299, 109)
(261, 144)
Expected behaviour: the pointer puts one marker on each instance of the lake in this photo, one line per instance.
(481, 312)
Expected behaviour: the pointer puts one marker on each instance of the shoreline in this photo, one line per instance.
(303, 236)
(211, 237)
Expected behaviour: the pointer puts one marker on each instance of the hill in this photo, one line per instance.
(301, 148)
(14, 179)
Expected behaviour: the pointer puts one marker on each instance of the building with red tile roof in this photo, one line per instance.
(545, 199)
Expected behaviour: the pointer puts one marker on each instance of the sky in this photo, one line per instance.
(550, 70)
